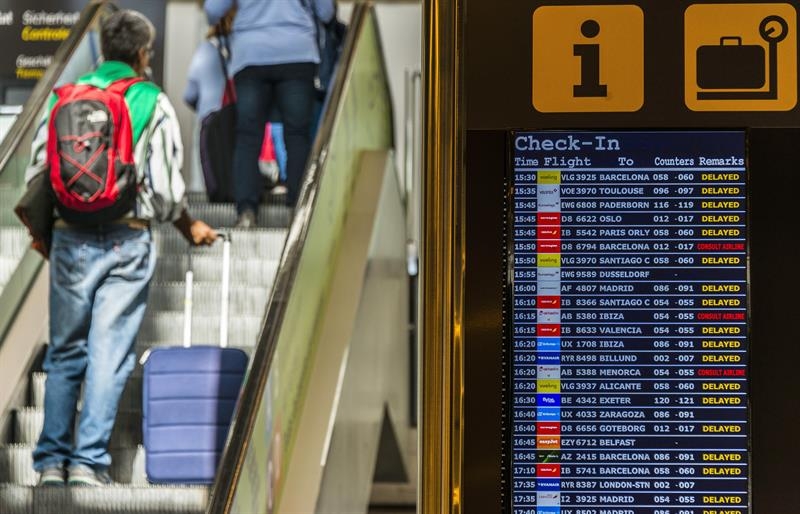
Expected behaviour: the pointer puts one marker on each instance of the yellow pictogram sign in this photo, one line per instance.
(740, 57)
(588, 58)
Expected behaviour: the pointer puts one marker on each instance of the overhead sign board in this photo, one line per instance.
(32, 31)
(740, 57)
(735, 57)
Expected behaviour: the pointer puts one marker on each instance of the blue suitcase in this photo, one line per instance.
(189, 395)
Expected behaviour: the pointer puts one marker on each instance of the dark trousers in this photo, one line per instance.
(291, 88)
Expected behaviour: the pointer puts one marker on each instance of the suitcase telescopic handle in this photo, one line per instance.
(225, 290)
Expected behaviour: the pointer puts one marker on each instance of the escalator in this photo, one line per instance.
(254, 259)
(284, 292)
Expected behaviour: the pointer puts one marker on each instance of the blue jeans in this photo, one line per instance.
(99, 281)
(291, 87)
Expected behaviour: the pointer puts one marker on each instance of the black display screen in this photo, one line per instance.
(629, 338)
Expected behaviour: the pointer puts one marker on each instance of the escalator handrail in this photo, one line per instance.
(232, 461)
(41, 92)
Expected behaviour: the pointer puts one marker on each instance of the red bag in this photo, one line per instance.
(267, 160)
(90, 153)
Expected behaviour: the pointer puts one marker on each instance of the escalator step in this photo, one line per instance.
(9, 195)
(145, 346)
(127, 432)
(131, 397)
(86, 500)
(262, 243)
(7, 216)
(145, 500)
(16, 465)
(244, 300)
(8, 264)
(167, 327)
(224, 215)
(254, 271)
(198, 197)
(13, 241)
(16, 499)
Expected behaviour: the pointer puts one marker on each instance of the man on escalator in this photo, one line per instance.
(111, 146)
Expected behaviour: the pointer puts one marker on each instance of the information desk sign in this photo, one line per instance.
(629, 336)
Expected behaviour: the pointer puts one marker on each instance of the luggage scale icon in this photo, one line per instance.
(741, 67)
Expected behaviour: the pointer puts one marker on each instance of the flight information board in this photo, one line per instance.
(629, 333)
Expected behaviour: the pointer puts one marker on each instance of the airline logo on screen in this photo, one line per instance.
(588, 58)
(740, 57)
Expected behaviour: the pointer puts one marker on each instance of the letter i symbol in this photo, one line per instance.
(589, 55)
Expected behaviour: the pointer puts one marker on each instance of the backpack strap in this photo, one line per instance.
(58, 93)
(121, 86)
(224, 52)
(142, 94)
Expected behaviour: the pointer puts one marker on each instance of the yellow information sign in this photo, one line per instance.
(740, 57)
(588, 58)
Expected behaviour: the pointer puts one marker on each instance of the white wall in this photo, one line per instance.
(401, 33)
(185, 28)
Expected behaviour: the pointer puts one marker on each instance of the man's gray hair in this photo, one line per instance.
(123, 34)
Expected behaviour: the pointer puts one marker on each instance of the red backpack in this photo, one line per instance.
(90, 153)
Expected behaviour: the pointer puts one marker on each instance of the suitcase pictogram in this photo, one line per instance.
(731, 66)
(741, 69)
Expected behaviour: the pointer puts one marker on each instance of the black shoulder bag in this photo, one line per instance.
(218, 138)
(330, 41)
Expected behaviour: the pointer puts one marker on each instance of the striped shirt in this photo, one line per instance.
(158, 158)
